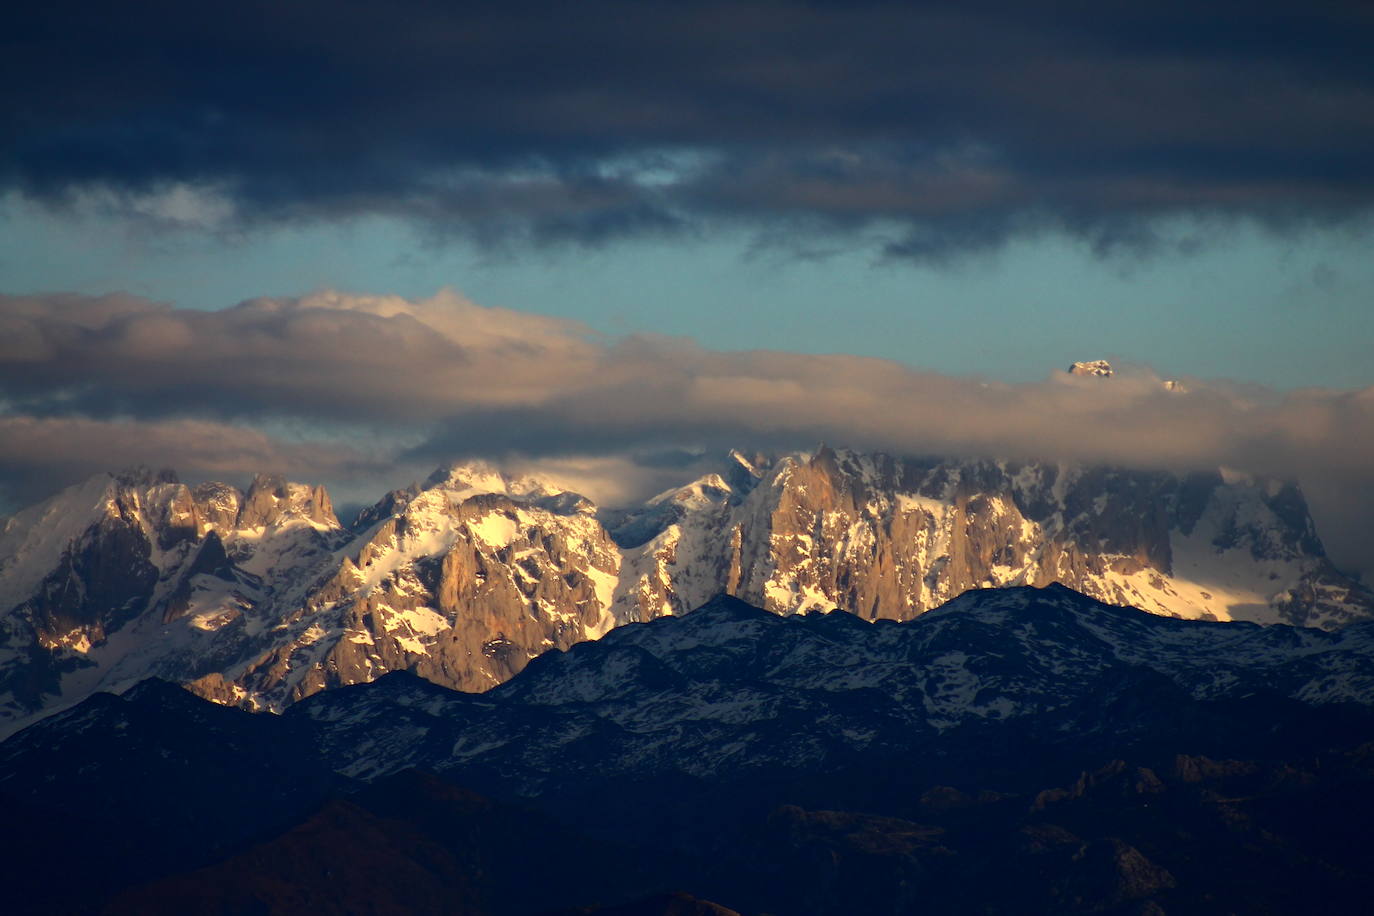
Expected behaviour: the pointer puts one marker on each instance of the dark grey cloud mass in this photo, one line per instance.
(90, 383)
(940, 126)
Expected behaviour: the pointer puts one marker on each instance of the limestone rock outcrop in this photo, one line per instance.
(261, 597)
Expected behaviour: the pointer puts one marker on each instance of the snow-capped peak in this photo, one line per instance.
(1096, 368)
(754, 466)
(33, 540)
(272, 500)
(472, 478)
(701, 492)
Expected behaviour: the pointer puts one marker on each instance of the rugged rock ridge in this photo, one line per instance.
(260, 598)
(1094, 368)
(460, 586)
(891, 538)
(132, 574)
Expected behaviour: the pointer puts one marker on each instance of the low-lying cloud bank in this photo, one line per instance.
(368, 391)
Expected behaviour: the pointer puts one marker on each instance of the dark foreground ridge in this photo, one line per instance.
(1026, 750)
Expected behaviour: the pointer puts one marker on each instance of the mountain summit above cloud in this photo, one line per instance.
(1098, 368)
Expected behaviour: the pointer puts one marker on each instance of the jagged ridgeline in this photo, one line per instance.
(260, 598)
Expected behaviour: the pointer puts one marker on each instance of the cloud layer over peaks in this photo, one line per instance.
(333, 386)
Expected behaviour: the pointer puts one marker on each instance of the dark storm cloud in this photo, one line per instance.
(948, 125)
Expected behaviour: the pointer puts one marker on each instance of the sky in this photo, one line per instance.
(346, 240)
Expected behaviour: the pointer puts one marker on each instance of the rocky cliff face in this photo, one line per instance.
(889, 538)
(138, 572)
(260, 598)
(460, 586)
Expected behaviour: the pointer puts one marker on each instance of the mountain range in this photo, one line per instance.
(261, 597)
(1016, 750)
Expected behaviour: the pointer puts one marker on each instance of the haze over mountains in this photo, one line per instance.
(260, 598)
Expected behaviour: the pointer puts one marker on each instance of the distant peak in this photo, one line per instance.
(155, 690)
(274, 484)
(474, 477)
(700, 492)
(271, 498)
(144, 476)
(1094, 368)
(756, 463)
(461, 472)
(725, 606)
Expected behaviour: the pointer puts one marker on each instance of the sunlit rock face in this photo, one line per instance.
(139, 572)
(460, 586)
(261, 597)
(889, 538)
(1094, 368)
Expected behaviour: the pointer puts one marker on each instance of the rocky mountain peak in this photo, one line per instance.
(392, 504)
(725, 608)
(1095, 368)
(144, 477)
(826, 460)
(703, 491)
(271, 499)
(156, 691)
(219, 504)
(466, 478)
(743, 471)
